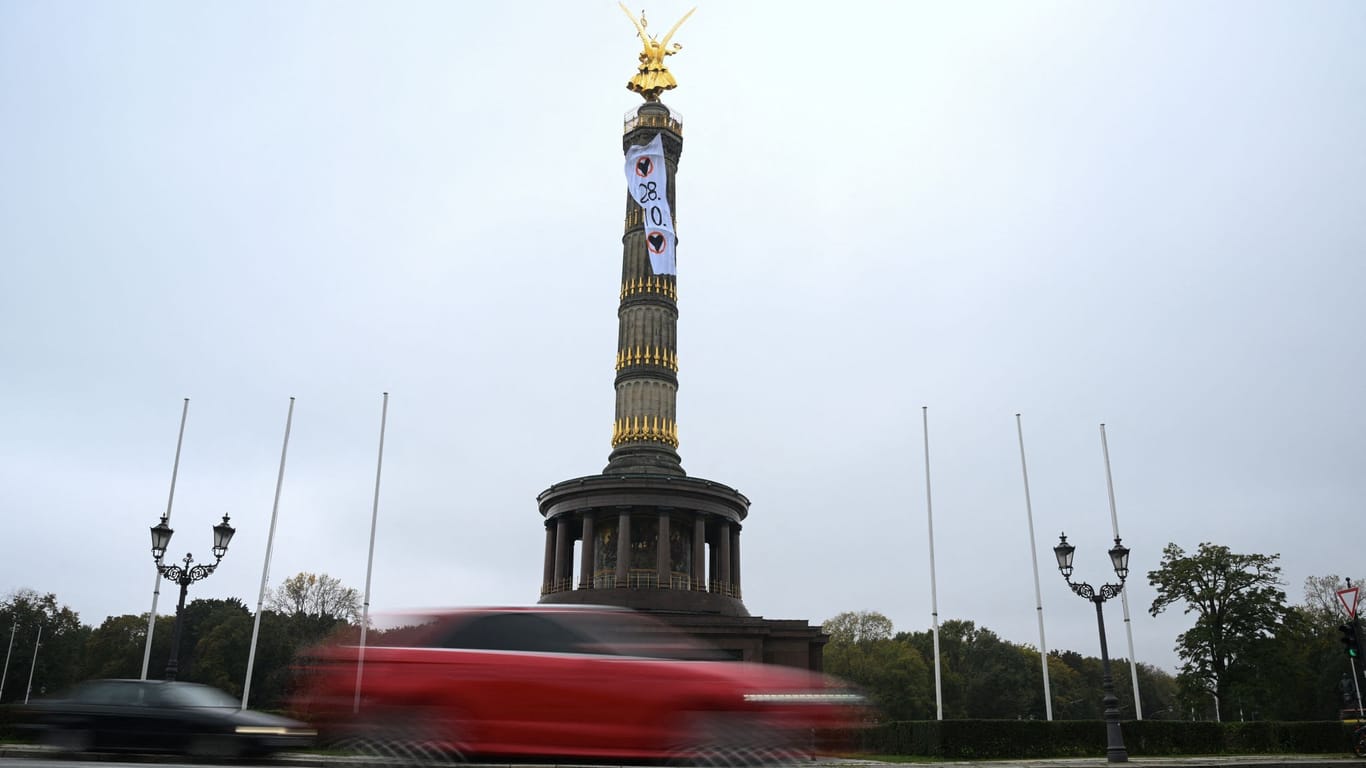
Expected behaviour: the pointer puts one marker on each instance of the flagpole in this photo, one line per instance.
(156, 575)
(265, 569)
(36, 644)
(1034, 557)
(5, 674)
(370, 559)
(934, 590)
(1124, 595)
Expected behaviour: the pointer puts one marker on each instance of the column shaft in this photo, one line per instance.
(723, 538)
(548, 575)
(699, 553)
(623, 548)
(564, 569)
(663, 572)
(647, 382)
(587, 557)
(735, 558)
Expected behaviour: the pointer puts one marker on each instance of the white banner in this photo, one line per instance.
(647, 179)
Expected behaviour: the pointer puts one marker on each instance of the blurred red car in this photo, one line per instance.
(563, 681)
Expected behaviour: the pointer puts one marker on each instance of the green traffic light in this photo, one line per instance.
(1349, 638)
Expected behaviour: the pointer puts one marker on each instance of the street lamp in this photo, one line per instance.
(1119, 558)
(185, 575)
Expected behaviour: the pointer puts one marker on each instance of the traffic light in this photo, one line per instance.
(1349, 638)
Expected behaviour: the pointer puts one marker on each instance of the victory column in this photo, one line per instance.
(650, 537)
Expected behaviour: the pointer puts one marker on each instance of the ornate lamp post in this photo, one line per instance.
(1119, 557)
(185, 575)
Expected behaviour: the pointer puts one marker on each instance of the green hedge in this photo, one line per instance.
(1005, 739)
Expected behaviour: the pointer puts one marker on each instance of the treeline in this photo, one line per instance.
(983, 677)
(1248, 656)
(214, 646)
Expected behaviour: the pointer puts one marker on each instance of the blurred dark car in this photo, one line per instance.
(563, 681)
(159, 716)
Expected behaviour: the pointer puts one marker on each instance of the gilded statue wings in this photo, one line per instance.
(675, 27)
(640, 27)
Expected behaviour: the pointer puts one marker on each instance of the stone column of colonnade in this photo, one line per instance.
(548, 579)
(723, 567)
(623, 548)
(587, 563)
(723, 572)
(663, 566)
(564, 547)
(735, 560)
(699, 553)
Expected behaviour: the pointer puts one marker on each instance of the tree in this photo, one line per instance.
(1238, 604)
(1075, 681)
(1321, 598)
(1304, 664)
(983, 676)
(857, 627)
(862, 651)
(209, 618)
(54, 631)
(1294, 674)
(1157, 690)
(310, 594)
(999, 680)
(221, 646)
(1070, 683)
(115, 647)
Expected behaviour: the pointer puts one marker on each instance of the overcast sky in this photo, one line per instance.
(1151, 215)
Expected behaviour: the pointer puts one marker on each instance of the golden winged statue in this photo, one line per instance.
(652, 76)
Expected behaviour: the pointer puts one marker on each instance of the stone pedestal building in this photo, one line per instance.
(643, 534)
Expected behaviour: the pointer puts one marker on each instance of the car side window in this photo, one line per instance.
(125, 695)
(95, 693)
(515, 632)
